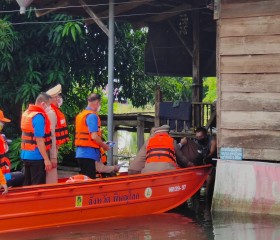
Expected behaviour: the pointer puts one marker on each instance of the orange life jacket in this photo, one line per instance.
(5, 165)
(83, 136)
(61, 130)
(78, 178)
(103, 155)
(2, 178)
(28, 140)
(2, 147)
(160, 148)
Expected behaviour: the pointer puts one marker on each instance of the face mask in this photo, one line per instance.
(47, 109)
(202, 141)
(98, 109)
(60, 102)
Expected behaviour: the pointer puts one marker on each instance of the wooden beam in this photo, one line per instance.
(94, 17)
(197, 80)
(51, 8)
(169, 13)
(119, 9)
(217, 9)
(158, 99)
(140, 133)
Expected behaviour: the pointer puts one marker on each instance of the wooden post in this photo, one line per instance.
(197, 80)
(140, 133)
(158, 99)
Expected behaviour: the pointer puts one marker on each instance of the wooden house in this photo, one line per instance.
(240, 41)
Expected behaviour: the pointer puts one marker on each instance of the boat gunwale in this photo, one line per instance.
(100, 182)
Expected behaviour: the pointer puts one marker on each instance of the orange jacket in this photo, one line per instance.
(103, 155)
(83, 136)
(28, 140)
(61, 130)
(5, 165)
(160, 148)
(2, 178)
(78, 178)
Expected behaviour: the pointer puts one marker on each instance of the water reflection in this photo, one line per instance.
(233, 226)
(154, 227)
(187, 222)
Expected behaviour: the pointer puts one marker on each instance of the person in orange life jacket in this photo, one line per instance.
(13, 179)
(36, 142)
(138, 163)
(88, 136)
(59, 131)
(3, 183)
(161, 151)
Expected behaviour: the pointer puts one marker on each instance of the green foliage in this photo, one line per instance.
(73, 28)
(210, 89)
(14, 154)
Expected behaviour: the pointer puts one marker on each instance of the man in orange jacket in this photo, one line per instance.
(162, 152)
(35, 126)
(88, 139)
(59, 130)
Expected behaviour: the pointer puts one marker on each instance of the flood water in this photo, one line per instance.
(188, 222)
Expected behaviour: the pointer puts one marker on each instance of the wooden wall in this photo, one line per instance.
(248, 66)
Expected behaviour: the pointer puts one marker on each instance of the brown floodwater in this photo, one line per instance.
(188, 222)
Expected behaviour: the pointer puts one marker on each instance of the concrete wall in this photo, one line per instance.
(243, 186)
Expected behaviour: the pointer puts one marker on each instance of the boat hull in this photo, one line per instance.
(68, 203)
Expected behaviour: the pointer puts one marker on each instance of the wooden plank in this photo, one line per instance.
(250, 120)
(219, 83)
(265, 25)
(197, 79)
(252, 139)
(256, 83)
(140, 134)
(250, 45)
(51, 8)
(251, 64)
(233, 101)
(250, 9)
(262, 154)
(171, 13)
(119, 9)
(94, 17)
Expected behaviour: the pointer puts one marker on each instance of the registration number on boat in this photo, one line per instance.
(177, 188)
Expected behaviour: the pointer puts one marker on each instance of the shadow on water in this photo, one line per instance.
(191, 221)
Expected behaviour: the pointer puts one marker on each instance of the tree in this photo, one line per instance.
(210, 89)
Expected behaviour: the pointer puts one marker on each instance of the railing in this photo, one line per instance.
(201, 113)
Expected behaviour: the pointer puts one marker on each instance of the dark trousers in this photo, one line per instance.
(34, 172)
(87, 166)
(16, 179)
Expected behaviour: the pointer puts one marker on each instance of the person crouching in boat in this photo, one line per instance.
(36, 142)
(59, 130)
(102, 167)
(13, 179)
(138, 163)
(161, 151)
(88, 136)
(3, 183)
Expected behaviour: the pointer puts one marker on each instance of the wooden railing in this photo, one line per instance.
(201, 113)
